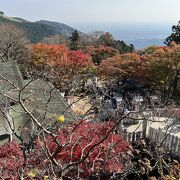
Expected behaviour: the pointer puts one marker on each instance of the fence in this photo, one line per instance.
(134, 136)
(167, 140)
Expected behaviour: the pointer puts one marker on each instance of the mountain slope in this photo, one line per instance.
(36, 31)
(59, 28)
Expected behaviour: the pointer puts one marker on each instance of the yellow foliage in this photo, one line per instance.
(60, 118)
(32, 174)
(46, 178)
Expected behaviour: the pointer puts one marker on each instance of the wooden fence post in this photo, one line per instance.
(138, 136)
(133, 136)
(175, 144)
(144, 128)
(178, 151)
(170, 141)
(129, 137)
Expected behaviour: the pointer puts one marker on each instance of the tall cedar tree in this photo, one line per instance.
(175, 36)
(74, 40)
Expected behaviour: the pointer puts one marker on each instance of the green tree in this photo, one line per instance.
(175, 36)
(108, 40)
(74, 40)
(122, 47)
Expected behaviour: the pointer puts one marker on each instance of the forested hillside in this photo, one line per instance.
(36, 31)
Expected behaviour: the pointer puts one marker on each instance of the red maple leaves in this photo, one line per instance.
(82, 140)
(80, 153)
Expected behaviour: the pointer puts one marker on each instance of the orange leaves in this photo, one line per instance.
(58, 56)
(131, 57)
(43, 54)
(77, 59)
(164, 64)
(110, 67)
(60, 64)
(47, 54)
(123, 66)
(102, 52)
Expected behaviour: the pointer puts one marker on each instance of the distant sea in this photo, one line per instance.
(140, 35)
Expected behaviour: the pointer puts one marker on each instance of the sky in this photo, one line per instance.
(95, 11)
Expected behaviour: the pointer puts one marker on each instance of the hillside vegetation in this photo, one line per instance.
(36, 31)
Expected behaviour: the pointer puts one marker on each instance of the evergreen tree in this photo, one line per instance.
(74, 40)
(108, 40)
(175, 36)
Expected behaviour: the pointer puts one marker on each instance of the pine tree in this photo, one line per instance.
(74, 40)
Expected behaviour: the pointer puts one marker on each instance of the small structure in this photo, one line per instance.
(119, 102)
(40, 98)
(137, 100)
(10, 76)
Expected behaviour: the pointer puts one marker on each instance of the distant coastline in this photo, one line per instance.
(140, 35)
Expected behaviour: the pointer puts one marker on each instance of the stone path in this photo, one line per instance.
(80, 105)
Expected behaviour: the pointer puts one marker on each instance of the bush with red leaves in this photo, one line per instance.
(11, 161)
(81, 138)
(86, 148)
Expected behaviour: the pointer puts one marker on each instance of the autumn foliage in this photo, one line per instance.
(44, 55)
(101, 53)
(59, 64)
(165, 66)
(155, 67)
(124, 66)
(82, 138)
(77, 140)
(11, 161)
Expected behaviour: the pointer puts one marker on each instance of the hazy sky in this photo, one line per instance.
(95, 11)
